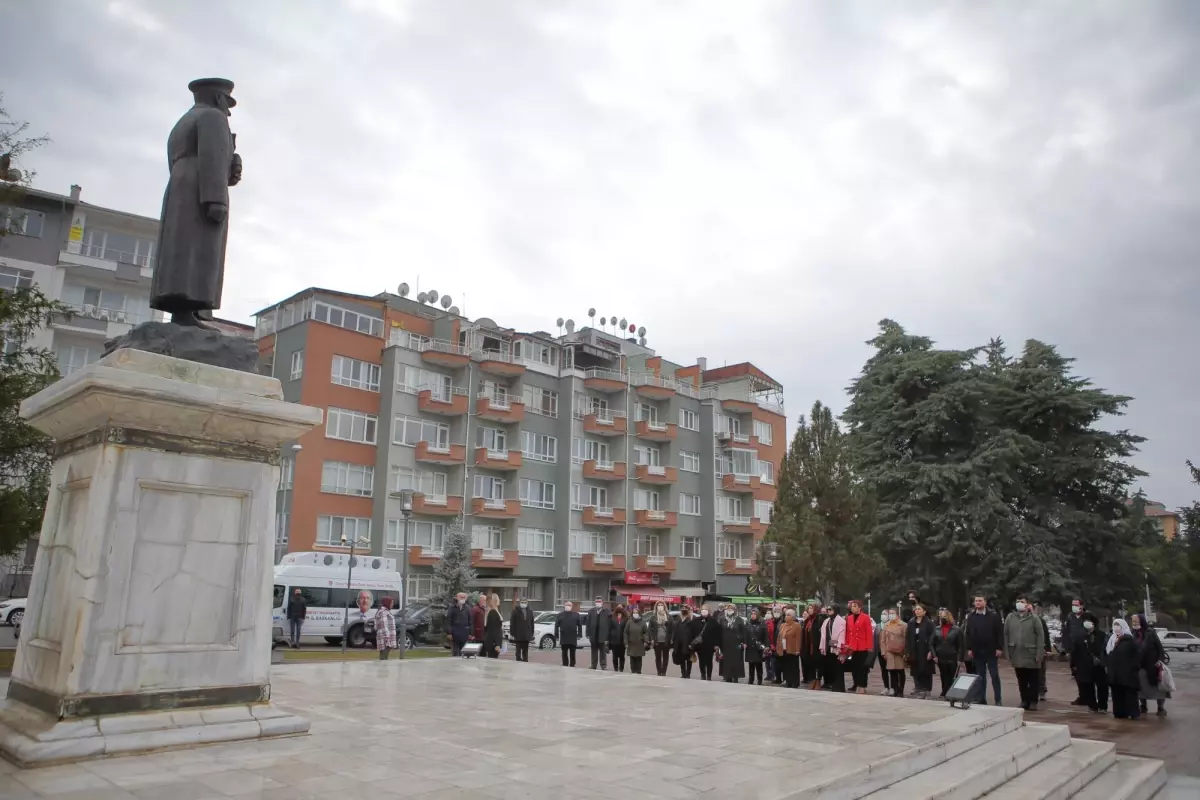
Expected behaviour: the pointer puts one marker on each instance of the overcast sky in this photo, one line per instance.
(756, 181)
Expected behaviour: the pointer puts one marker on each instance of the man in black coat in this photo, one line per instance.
(520, 629)
(906, 608)
(568, 627)
(1074, 642)
(297, 610)
(458, 623)
(984, 633)
(599, 624)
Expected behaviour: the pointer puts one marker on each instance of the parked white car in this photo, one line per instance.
(12, 611)
(1180, 640)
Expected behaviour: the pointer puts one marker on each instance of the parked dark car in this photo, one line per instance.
(417, 623)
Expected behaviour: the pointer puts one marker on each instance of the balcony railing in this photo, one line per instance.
(743, 563)
(656, 561)
(606, 375)
(602, 558)
(92, 311)
(491, 554)
(498, 400)
(443, 393)
(120, 256)
(443, 346)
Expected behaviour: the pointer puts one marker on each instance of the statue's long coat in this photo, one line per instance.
(189, 262)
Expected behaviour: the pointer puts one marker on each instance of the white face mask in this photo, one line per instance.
(598, 605)
(567, 607)
(1076, 609)
(704, 613)
(892, 617)
(636, 615)
(778, 615)
(524, 605)
(1021, 607)
(729, 612)
(1087, 626)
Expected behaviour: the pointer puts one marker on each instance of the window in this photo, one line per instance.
(414, 341)
(689, 504)
(643, 454)
(410, 430)
(492, 438)
(11, 278)
(297, 364)
(432, 484)
(414, 379)
(732, 508)
(688, 461)
(539, 446)
(570, 590)
(646, 544)
(287, 468)
(487, 537)
(537, 494)
(420, 587)
(595, 451)
(338, 477)
(584, 405)
(350, 320)
(689, 547)
(584, 542)
(689, 419)
(541, 401)
(728, 548)
(428, 536)
(645, 411)
(74, 358)
(728, 424)
(763, 431)
(766, 471)
(763, 510)
(745, 462)
(582, 496)
(120, 247)
(537, 352)
(22, 221)
(355, 374)
(488, 487)
(350, 426)
(644, 499)
(330, 530)
(535, 542)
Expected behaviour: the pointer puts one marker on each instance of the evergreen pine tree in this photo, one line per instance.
(453, 573)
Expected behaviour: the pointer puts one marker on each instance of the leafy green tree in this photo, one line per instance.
(819, 516)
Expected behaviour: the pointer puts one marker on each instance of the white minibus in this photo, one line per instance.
(321, 579)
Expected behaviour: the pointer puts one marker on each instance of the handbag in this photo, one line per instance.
(1167, 681)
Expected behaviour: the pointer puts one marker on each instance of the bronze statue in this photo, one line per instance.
(189, 264)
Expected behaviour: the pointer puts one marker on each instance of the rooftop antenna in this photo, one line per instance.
(603, 322)
(446, 301)
(592, 314)
(623, 323)
(422, 297)
(641, 331)
(454, 310)
(559, 323)
(402, 289)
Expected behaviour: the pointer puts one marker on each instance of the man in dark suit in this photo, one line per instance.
(568, 627)
(599, 624)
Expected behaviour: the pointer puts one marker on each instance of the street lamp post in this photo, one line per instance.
(406, 508)
(772, 549)
(281, 548)
(868, 604)
(349, 577)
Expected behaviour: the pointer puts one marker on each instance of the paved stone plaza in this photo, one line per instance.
(442, 728)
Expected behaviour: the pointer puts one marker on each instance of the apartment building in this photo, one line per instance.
(580, 462)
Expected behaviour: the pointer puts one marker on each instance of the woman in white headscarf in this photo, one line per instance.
(1123, 661)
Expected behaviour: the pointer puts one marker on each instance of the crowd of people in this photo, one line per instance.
(821, 648)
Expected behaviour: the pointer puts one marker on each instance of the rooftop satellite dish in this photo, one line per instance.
(603, 321)
(446, 301)
(403, 289)
(570, 326)
(421, 297)
(642, 341)
(559, 322)
(623, 322)
(632, 328)
(454, 310)
(591, 312)
(641, 331)
(433, 295)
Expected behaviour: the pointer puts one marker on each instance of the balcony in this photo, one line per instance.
(420, 558)
(501, 363)
(606, 423)
(495, 559)
(431, 453)
(647, 473)
(103, 262)
(431, 505)
(741, 484)
(738, 406)
(504, 460)
(731, 439)
(647, 518)
(452, 403)
(605, 381)
(450, 454)
(750, 525)
(660, 564)
(499, 407)
(737, 566)
(604, 470)
(492, 508)
(603, 516)
(93, 320)
(656, 431)
(653, 387)
(444, 353)
(602, 562)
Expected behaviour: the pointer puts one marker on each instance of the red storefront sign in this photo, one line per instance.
(641, 578)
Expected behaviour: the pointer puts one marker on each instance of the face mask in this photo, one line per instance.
(704, 613)
(636, 615)
(461, 601)
(778, 615)
(729, 612)
(892, 618)
(566, 608)
(598, 605)
(1021, 606)
(524, 605)
(1087, 626)
(1076, 609)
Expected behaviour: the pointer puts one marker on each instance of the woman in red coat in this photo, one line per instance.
(860, 641)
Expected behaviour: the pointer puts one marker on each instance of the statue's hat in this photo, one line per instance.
(220, 84)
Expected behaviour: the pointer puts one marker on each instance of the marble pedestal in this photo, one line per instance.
(149, 616)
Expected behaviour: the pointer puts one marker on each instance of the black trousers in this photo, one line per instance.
(835, 673)
(923, 676)
(662, 658)
(858, 669)
(1027, 684)
(808, 668)
(897, 680)
(947, 673)
(790, 667)
(705, 656)
(685, 665)
(883, 670)
(456, 646)
(635, 664)
(568, 652)
(600, 653)
(1125, 703)
(522, 650)
(618, 654)
(755, 668)
(1096, 690)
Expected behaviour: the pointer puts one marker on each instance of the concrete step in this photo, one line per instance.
(977, 771)
(1128, 778)
(1060, 777)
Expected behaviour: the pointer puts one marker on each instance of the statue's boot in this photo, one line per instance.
(189, 319)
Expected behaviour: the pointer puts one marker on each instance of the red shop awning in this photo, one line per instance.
(648, 594)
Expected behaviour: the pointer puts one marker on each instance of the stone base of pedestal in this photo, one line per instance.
(31, 738)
